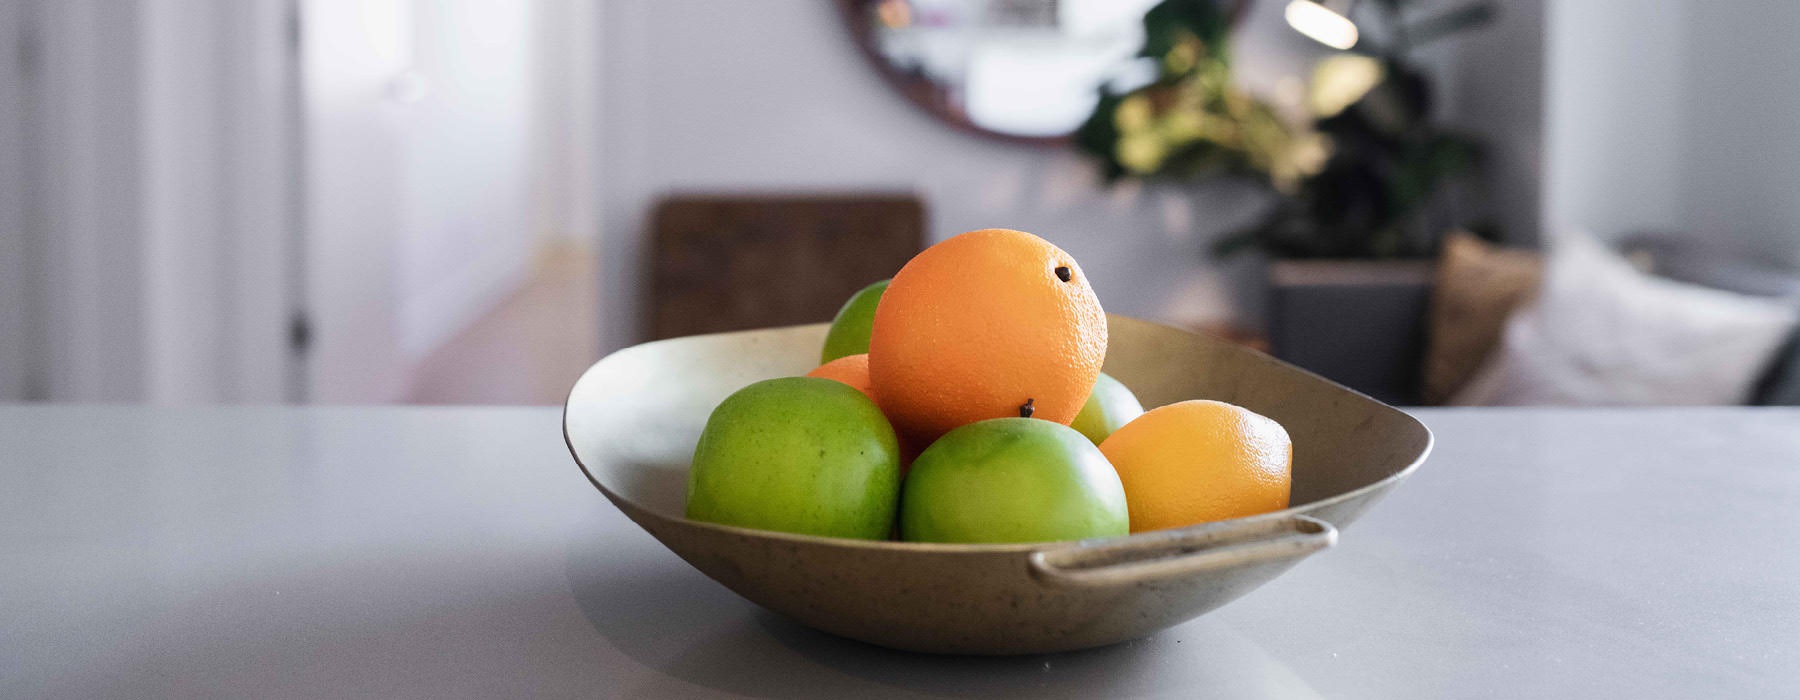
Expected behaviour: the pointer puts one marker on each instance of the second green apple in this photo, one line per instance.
(1012, 480)
(849, 334)
(1109, 406)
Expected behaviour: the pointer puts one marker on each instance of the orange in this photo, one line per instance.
(854, 370)
(1200, 461)
(849, 369)
(980, 324)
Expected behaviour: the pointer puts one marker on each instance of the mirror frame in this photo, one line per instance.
(931, 99)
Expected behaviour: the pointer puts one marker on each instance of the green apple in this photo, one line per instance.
(1109, 406)
(797, 454)
(849, 334)
(1012, 480)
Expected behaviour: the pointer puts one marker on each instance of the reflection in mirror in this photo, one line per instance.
(1027, 70)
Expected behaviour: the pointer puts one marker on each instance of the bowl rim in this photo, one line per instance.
(1000, 548)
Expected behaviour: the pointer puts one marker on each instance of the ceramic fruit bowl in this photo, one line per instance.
(633, 418)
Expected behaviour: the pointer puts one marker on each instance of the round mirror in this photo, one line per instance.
(1022, 70)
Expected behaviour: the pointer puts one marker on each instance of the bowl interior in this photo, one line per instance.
(632, 420)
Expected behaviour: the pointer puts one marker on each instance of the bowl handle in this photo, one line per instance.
(1168, 554)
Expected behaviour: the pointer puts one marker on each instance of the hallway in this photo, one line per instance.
(529, 349)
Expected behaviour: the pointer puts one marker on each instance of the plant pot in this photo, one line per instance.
(1360, 323)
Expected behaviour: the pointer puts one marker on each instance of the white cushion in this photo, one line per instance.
(1601, 333)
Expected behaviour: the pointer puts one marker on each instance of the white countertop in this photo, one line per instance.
(438, 553)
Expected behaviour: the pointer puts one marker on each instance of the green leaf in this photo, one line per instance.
(1235, 242)
(1166, 24)
(1450, 155)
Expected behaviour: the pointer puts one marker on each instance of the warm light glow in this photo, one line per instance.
(1321, 24)
(1340, 80)
(894, 14)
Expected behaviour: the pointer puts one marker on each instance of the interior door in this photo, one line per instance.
(353, 52)
(418, 127)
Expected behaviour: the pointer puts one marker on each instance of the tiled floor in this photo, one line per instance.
(529, 349)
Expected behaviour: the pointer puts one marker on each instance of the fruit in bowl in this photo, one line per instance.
(1198, 461)
(1012, 480)
(849, 332)
(632, 420)
(852, 370)
(1109, 407)
(978, 326)
(799, 454)
(942, 412)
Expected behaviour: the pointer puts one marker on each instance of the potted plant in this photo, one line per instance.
(1357, 186)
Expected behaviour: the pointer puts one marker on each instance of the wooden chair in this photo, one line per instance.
(732, 262)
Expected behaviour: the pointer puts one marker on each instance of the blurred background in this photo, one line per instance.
(1581, 202)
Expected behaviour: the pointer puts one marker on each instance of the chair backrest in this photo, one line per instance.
(732, 262)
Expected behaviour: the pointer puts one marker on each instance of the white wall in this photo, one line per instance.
(183, 193)
(1676, 116)
(1742, 156)
(1615, 114)
(83, 221)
